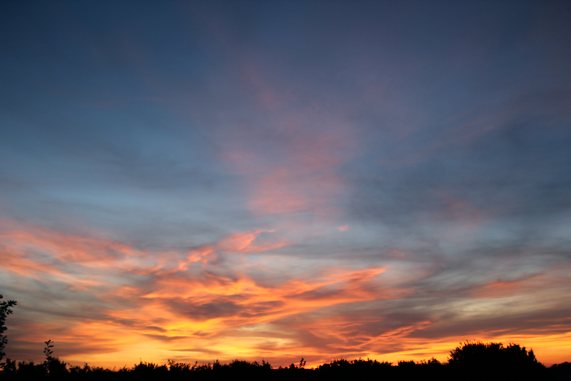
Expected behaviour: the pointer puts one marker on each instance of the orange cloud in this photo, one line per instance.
(201, 255)
(65, 247)
(292, 297)
(183, 304)
(249, 242)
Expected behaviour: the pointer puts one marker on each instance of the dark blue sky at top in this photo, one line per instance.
(116, 115)
(442, 129)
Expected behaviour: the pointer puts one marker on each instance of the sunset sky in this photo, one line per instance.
(283, 179)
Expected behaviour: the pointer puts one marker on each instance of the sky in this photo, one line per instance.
(283, 179)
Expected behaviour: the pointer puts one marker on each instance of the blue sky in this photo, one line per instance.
(331, 178)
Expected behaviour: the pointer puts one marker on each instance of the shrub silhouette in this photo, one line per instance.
(54, 367)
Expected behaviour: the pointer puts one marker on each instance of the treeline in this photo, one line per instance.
(470, 361)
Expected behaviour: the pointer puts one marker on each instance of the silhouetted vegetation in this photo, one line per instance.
(480, 360)
(5, 310)
(470, 361)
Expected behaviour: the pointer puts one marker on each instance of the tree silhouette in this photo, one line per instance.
(494, 360)
(5, 310)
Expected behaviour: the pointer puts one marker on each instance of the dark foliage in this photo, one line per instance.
(483, 360)
(470, 361)
(54, 367)
(5, 310)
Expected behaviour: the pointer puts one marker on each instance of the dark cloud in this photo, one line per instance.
(203, 311)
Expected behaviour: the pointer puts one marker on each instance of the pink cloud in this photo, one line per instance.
(250, 242)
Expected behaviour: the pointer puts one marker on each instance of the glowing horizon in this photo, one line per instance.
(277, 180)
